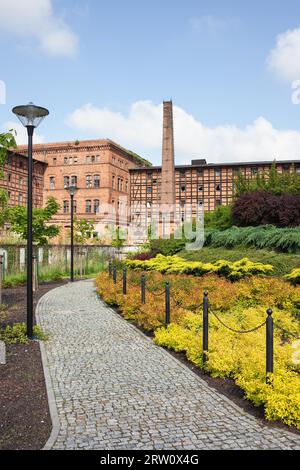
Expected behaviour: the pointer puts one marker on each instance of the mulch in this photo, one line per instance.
(25, 422)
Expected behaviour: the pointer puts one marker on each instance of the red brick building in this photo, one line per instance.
(15, 180)
(99, 169)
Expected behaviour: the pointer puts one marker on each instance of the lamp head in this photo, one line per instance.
(30, 115)
(72, 190)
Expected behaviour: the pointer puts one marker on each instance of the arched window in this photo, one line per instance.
(88, 206)
(88, 180)
(96, 181)
(96, 206)
(66, 181)
(66, 207)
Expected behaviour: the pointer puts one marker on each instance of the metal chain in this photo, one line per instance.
(154, 293)
(286, 331)
(241, 332)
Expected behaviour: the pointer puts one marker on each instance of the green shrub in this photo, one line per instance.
(220, 218)
(16, 334)
(286, 240)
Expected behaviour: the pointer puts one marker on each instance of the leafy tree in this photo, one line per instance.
(272, 182)
(41, 230)
(83, 230)
(118, 239)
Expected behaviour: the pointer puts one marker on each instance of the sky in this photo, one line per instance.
(103, 69)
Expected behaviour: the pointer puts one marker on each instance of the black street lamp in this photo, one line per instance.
(31, 117)
(72, 191)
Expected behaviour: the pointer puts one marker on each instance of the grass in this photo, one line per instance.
(50, 273)
(283, 263)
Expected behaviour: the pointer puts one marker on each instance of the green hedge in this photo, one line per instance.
(286, 240)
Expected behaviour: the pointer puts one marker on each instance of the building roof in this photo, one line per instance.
(89, 143)
(218, 165)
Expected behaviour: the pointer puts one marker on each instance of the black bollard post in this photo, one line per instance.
(168, 307)
(115, 274)
(205, 327)
(143, 289)
(124, 282)
(270, 343)
(110, 269)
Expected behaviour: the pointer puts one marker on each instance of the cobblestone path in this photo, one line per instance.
(114, 389)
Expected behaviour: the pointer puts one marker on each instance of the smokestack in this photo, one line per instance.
(168, 160)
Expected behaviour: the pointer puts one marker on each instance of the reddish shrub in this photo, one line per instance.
(261, 208)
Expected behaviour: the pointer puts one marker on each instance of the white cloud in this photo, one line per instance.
(36, 19)
(21, 133)
(284, 59)
(141, 130)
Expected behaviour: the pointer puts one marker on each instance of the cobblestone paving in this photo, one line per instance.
(114, 389)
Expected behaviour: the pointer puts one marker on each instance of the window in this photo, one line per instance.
(286, 168)
(52, 182)
(20, 198)
(182, 189)
(126, 186)
(20, 181)
(218, 187)
(254, 171)
(74, 180)
(21, 165)
(88, 159)
(9, 177)
(70, 160)
(149, 190)
(89, 182)
(88, 206)
(66, 181)
(9, 194)
(113, 182)
(96, 181)
(96, 206)
(200, 203)
(218, 172)
(149, 205)
(200, 188)
(54, 161)
(66, 207)
(66, 161)
(218, 202)
(75, 159)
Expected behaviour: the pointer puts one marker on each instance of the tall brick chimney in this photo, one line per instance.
(168, 163)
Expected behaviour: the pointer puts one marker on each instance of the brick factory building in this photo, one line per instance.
(100, 170)
(15, 180)
(110, 179)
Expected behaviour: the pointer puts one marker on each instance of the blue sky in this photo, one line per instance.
(103, 69)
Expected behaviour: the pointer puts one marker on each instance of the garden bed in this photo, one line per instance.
(25, 422)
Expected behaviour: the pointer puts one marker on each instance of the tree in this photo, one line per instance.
(83, 230)
(41, 230)
(118, 239)
(272, 182)
(7, 141)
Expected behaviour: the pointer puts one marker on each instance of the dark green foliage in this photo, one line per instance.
(41, 230)
(220, 218)
(166, 247)
(263, 237)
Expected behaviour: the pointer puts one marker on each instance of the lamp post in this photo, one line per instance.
(72, 191)
(31, 117)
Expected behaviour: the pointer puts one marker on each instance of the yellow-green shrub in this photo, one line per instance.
(174, 264)
(241, 306)
(294, 276)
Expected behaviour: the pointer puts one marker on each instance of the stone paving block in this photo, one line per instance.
(115, 389)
